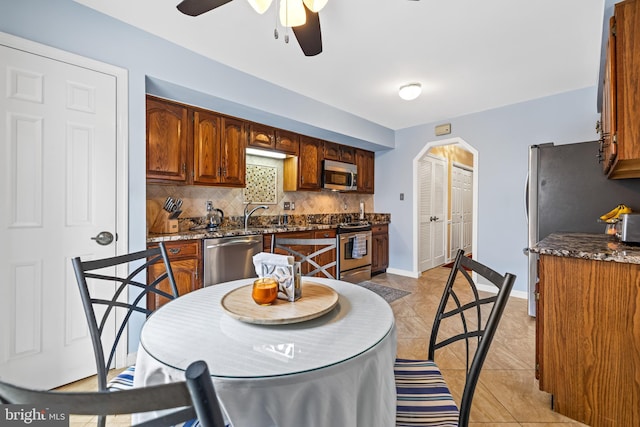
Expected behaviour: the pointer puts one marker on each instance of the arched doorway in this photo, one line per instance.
(455, 190)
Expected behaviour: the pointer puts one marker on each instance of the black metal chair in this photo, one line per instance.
(311, 253)
(117, 284)
(192, 399)
(423, 397)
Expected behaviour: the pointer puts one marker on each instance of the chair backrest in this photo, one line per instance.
(124, 286)
(462, 302)
(195, 397)
(314, 255)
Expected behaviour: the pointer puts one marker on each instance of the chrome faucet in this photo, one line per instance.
(248, 213)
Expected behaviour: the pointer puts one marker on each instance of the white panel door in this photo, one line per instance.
(432, 202)
(58, 189)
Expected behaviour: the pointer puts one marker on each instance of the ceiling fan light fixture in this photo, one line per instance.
(410, 91)
(315, 5)
(292, 13)
(260, 6)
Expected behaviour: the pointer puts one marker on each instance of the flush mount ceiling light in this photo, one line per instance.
(410, 91)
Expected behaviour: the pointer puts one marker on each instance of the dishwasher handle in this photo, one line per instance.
(231, 242)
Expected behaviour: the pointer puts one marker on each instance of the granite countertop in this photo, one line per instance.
(234, 231)
(599, 247)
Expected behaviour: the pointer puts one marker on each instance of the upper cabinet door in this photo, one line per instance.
(232, 151)
(262, 136)
(287, 142)
(207, 164)
(309, 164)
(621, 93)
(167, 136)
(339, 152)
(365, 160)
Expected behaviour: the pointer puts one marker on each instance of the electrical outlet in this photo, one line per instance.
(287, 206)
(209, 205)
(293, 206)
(401, 196)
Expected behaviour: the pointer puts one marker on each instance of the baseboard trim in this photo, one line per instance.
(407, 273)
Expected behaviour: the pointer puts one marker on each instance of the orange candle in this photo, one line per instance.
(265, 291)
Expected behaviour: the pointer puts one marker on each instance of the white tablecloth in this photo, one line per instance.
(336, 370)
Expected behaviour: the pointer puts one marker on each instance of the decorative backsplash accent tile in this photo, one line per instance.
(262, 184)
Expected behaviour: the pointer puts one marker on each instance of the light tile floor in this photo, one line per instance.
(507, 394)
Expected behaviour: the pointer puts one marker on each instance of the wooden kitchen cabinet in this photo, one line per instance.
(304, 171)
(272, 139)
(588, 339)
(379, 248)
(620, 126)
(185, 257)
(328, 256)
(261, 136)
(211, 146)
(339, 152)
(365, 160)
(287, 142)
(167, 142)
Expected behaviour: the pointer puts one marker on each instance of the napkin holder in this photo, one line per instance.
(164, 224)
(289, 279)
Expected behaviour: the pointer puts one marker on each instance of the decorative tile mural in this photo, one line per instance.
(261, 184)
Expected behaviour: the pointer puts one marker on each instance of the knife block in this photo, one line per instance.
(163, 224)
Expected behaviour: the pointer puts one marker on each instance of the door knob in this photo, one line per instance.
(103, 238)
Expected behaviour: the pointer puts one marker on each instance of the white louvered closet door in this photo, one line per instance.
(461, 210)
(432, 175)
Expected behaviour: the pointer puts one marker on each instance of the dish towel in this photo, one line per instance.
(359, 246)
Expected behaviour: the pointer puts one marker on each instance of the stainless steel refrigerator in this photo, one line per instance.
(567, 192)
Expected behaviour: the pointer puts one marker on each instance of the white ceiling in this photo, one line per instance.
(469, 55)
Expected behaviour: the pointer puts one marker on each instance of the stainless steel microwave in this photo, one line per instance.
(339, 176)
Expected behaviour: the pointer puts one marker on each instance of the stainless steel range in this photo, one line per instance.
(354, 251)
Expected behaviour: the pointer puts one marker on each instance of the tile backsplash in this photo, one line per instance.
(232, 200)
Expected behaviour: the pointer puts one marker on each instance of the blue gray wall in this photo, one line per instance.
(501, 137)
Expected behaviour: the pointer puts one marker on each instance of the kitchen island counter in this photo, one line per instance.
(598, 247)
(588, 327)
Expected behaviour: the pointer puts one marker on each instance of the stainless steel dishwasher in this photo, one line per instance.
(230, 258)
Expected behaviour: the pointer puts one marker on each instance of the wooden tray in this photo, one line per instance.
(316, 300)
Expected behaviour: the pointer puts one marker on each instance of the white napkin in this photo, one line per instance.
(280, 267)
(271, 259)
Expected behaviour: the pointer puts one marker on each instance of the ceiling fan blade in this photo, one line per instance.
(198, 7)
(308, 35)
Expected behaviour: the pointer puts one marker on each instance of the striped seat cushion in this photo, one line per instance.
(423, 397)
(124, 380)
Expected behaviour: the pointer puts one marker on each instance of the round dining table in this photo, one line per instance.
(332, 370)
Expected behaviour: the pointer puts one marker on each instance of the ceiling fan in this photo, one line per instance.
(308, 33)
